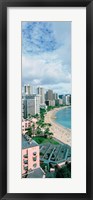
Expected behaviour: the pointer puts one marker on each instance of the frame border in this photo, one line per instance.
(3, 91)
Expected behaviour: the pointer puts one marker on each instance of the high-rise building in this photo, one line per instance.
(28, 89)
(60, 101)
(33, 105)
(24, 108)
(30, 105)
(49, 95)
(40, 91)
(37, 104)
(68, 99)
(52, 103)
(64, 99)
(55, 96)
(57, 102)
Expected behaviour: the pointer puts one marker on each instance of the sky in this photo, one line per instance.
(46, 55)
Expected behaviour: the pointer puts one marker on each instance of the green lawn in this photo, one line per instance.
(41, 140)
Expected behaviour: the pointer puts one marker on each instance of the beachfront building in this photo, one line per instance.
(50, 103)
(64, 99)
(30, 105)
(33, 106)
(55, 96)
(30, 159)
(40, 92)
(60, 101)
(68, 99)
(49, 95)
(57, 102)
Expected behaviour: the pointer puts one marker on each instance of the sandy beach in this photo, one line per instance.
(61, 133)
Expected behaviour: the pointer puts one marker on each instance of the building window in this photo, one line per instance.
(25, 124)
(34, 153)
(34, 158)
(34, 165)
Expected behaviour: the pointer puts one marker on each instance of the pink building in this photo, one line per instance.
(30, 158)
(27, 124)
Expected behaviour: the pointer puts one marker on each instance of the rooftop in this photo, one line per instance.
(37, 173)
(27, 142)
(55, 153)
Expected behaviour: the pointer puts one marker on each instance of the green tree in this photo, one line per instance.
(64, 172)
(38, 132)
(47, 132)
(29, 116)
(29, 131)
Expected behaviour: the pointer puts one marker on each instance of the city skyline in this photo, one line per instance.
(34, 90)
(32, 102)
(46, 55)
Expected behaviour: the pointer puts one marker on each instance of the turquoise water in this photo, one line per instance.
(63, 117)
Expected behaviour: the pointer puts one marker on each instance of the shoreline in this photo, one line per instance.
(59, 132)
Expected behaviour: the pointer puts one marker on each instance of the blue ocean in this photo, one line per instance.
(63, 117)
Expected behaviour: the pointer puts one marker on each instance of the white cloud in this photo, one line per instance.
(49, 71)
(44, 65)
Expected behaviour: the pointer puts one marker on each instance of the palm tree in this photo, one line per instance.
(40, 123)
(50, 134)
(47, 133)
(39, 131)
(37, 115)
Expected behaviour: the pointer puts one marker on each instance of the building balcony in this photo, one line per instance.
(25, 161)
(34, 158)
(26, 168)
(25, 155)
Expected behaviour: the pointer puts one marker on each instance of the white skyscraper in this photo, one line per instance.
(33, 105)
(40, 91)
(37, 104)
(55, 96)
(68, 99)
(28, 89)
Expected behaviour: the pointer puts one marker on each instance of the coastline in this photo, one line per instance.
(59, 132)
